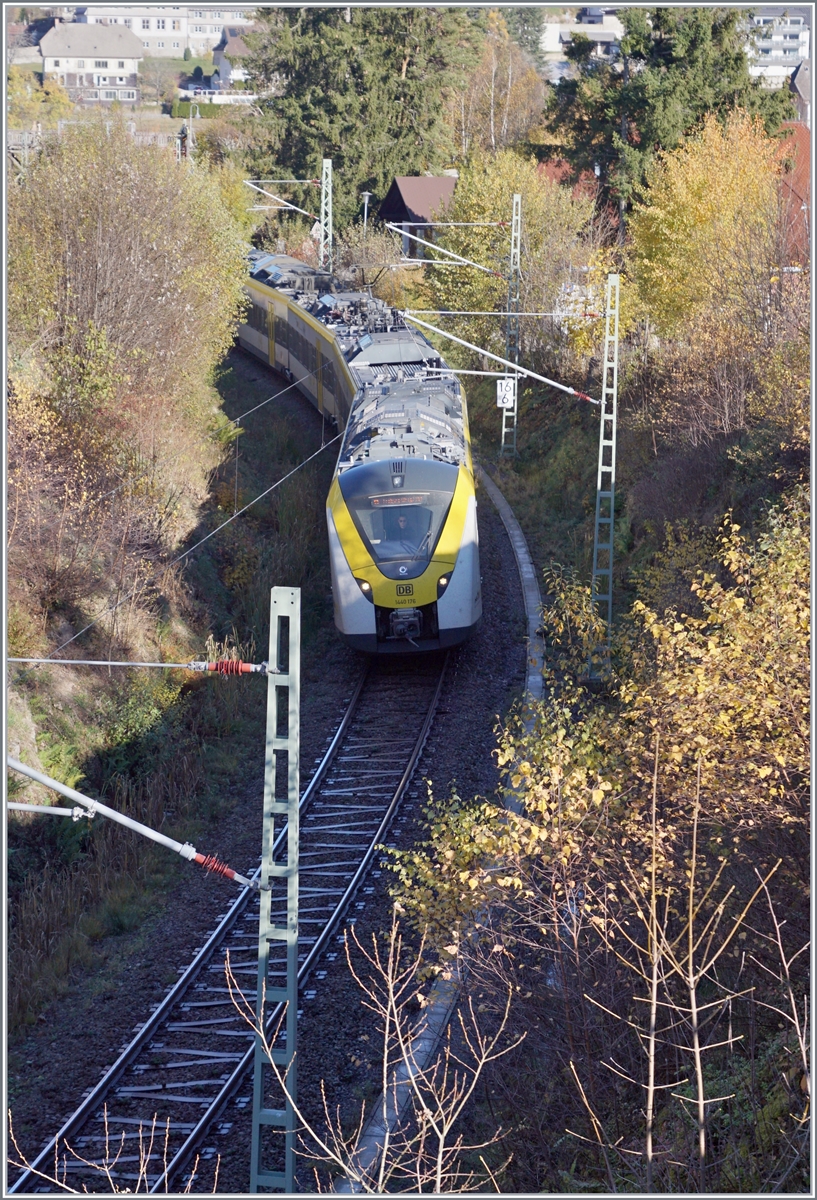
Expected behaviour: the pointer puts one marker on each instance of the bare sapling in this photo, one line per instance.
(675, 947)
(410, 1144)
(115, 1167)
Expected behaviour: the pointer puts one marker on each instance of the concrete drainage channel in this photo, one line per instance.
(444, 994)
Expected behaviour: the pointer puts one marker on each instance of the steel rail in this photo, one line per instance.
(88, 1110)
(131, 1051)
(231, 1086)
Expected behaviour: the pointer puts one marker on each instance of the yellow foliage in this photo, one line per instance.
(710, 203)
(553, 222)
(729, 688)
(30, 102)
(503, 98)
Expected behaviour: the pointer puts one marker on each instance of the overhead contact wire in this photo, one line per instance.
(201, 542)
(233, 421)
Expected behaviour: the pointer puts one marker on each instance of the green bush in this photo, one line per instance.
(181, 108)
(188, 54)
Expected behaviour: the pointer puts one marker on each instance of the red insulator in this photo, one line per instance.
(211, 863)
(229, 666)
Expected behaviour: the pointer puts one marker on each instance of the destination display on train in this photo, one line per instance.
(393, 501)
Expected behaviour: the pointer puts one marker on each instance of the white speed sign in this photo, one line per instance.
(506, 392)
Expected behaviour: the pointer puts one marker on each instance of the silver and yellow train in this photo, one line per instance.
(401, 511)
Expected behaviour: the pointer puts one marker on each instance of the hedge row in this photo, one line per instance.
(181, 108)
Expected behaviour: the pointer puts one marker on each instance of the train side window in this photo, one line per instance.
(258, 318)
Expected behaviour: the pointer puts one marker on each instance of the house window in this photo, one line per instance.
(126, 21)
(121, 64)
(109, 95)
(92, 94)
(112, 20)
(80, 64)
(146, 24)
(101, 62)
(198, 29)
(175, 45)
(56, 62)
(160, 23)
(146, 45)
(160, 45)
(121, 79)
(127, 94)
(177, 25)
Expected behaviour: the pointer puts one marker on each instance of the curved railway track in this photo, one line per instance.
(186, 1065)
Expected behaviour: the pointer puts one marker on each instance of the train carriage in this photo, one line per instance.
(401, 511)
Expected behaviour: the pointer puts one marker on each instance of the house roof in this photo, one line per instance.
(417, 198)
(796, 188)
(232, 42)
(797, 150)
(800, 81)
(78, 40)
(604, 37)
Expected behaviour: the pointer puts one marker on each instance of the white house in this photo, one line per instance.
(601, 26)
(94, 63)
(167, 30)
(782, 40)
(229, 52)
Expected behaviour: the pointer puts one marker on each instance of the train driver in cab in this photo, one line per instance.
(403, 530)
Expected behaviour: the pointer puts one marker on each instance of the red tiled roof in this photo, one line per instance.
(796, 185)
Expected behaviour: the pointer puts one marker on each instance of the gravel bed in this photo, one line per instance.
(484, 677)
(52, 1064)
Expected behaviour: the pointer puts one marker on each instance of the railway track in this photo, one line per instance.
(186, 1065)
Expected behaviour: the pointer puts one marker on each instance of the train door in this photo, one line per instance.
(282, 337)
(319, 361)
(271, 332)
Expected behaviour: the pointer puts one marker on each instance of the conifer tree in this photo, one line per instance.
(676, 65)
(363, 87)
(526, 26)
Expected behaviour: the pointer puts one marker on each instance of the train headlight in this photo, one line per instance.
(442, 584)
(366, 588)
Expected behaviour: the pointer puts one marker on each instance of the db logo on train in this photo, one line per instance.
(405, 589)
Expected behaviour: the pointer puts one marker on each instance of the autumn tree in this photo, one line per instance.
(556, 227)
(32, 102)
(502, 99)
(646, 825)
(709, 256)
(362, 86)
(114, 327)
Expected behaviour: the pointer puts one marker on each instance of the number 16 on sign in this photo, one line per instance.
(506, 392)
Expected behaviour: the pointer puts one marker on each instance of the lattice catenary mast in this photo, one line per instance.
(602, 582)
(271, 1110)
(325, 248)
(509, 415)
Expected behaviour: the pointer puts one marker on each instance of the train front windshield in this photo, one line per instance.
(399, 508)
